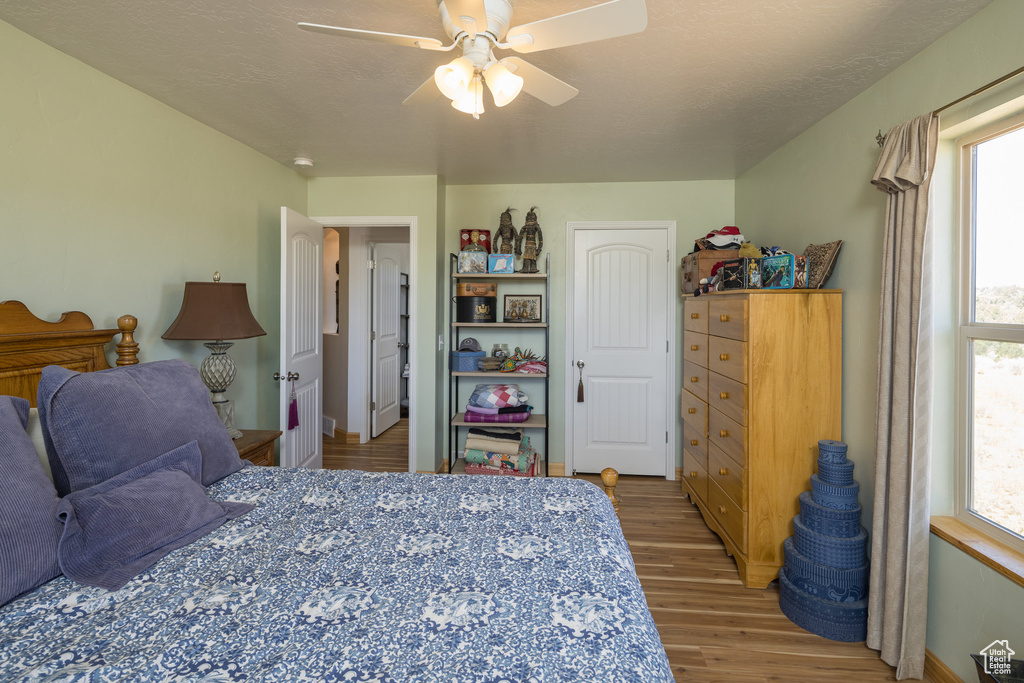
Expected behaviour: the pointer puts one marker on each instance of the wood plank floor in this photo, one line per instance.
(714, 630)
(389, 452)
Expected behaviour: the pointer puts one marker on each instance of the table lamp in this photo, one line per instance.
(216, 310)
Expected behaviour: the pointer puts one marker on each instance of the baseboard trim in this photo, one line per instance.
(350, 438)
(556, 469)
(936, 669)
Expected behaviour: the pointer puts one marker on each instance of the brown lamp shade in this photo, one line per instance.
(214, 310)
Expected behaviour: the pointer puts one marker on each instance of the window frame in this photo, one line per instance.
(968, 330)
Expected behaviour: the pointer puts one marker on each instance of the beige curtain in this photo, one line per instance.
(898, 598)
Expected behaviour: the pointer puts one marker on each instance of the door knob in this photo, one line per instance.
(288, 378)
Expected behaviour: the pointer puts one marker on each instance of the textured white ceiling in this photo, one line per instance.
(708, 90)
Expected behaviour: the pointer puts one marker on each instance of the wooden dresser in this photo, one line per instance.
(257, 446)
(762, 378)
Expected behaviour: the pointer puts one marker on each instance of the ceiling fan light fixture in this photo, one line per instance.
(504, 85)
(454, 79)
(473, 101)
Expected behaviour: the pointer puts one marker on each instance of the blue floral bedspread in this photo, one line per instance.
(356, 576)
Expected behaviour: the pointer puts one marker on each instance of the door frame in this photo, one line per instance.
(359, 326)
(669, 227)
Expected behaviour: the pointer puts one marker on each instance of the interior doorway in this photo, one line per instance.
(352, 378)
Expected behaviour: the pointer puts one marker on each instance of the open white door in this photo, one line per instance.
(386, 365)
(301, 338)
(620, 330)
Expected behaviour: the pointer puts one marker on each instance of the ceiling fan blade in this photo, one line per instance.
(469, 15)
(609, 20)
(540, 83)
(424, 94)
(391, 38)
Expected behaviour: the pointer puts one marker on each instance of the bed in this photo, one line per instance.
(344, 576)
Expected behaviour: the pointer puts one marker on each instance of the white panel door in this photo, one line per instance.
(384, 337)
(301, 338)
(620, 334)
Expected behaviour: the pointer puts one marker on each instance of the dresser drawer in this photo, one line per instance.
(695, 348)
(695, 440)
(728, 318)
(728, 357)
(728, 397)
(695, 314)
(729, 476)
(728, 435)
(695, 411)
(695, 379)
(728, 514)
(695, 476)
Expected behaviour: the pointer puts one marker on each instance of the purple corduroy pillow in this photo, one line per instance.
(97, 425)
(116, 530)
(29, 529)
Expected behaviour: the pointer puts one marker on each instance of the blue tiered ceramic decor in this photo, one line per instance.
(823, 586)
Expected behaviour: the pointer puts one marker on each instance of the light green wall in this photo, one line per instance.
(816, 189)
(405, 196)
(696, 206)
(110, 201)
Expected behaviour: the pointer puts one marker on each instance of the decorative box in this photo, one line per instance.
(472, 261)
(476, 309)
(734, 273)
(466, 361)
(799, 272)
(699, 264)
(777, 272)
(483, 239)
(476, 289)
(501, 263)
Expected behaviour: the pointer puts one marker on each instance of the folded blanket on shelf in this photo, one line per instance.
(472, 468)
(498, 411)
(497, 396)
(519, 462)
(504, 418)
(513, 435)
(492, 445)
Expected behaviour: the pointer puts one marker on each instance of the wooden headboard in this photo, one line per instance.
(28, 344)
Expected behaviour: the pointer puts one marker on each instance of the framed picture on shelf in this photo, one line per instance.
(500, 263)
(522, 308)
(472, 262)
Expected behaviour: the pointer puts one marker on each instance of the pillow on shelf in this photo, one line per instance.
(117, 529)
(29, 529)
(821, 259)
(97, 425)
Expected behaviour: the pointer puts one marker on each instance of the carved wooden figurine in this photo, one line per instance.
(505, 236)
(529, 242)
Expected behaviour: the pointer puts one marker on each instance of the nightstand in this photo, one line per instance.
(257, 446)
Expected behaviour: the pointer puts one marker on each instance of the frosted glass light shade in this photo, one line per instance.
(454, 78)
(473, 101)
(504, 85)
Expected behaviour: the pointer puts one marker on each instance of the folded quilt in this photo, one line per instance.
(502, 418)
(519, 462)
(498, 411)
(497, 396)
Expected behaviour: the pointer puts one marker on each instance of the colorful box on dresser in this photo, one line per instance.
(762, 384)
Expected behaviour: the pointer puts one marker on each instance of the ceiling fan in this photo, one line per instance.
(479, 27)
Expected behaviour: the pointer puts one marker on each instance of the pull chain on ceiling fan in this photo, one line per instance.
(479, 27)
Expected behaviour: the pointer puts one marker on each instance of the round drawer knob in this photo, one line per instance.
(724, 433)
(695, 348)
(724, 318)
(721, 509)
(724, 395)
(695, 379)
(724, 471)
(694, 316)
(693, 442)
(693, 411)
(723, 356)
(693, 475)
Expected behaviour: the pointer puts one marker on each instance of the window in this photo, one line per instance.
(990, 344)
